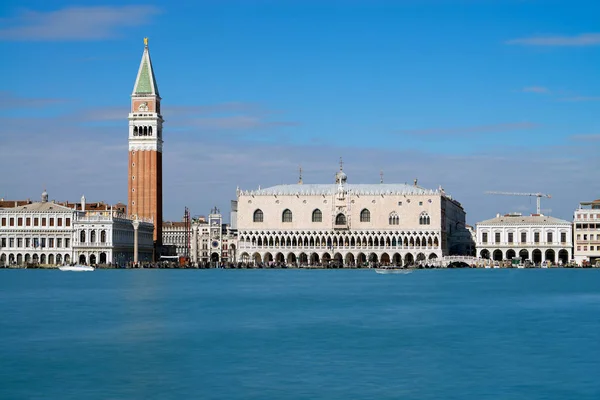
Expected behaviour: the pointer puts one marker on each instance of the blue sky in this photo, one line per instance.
(471, 95)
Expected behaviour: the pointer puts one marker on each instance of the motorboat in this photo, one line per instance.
(76, 268)
(392, 270)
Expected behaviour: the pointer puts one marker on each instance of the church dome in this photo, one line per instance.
(341, 177)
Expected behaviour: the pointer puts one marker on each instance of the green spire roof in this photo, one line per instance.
(145, 84)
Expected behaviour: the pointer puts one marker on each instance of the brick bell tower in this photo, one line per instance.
(145, 148)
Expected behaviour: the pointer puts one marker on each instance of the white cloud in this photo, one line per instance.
(536, 89)
(75, 23)
(585, 39)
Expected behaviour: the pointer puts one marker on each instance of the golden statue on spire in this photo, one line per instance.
(146, 41)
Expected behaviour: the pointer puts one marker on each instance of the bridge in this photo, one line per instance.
(446, 261)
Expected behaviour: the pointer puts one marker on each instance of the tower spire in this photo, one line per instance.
(145, 83)
(381, 176)
(300, 179)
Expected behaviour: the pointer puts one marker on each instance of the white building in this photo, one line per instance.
(177, 235)
(107, 237)
(536, 238)
(47, 233)
(36, 233)
(212, 241)
(587, 233)
(348, 224)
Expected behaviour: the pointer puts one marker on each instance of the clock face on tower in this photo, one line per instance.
(215, 244)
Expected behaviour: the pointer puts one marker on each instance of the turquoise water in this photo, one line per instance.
(300, 334)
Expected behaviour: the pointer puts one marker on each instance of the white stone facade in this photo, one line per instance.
(46, 233)
(107, 237)
(345, 224)
(586, 221)
(36, 233)
(212, 242)
(537, 238)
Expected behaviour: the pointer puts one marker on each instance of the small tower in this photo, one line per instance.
(44, 196)
(145, 148)
(340, 176)
(82, 202)
(300, 178)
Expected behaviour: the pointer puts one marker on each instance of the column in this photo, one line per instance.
(136, 225)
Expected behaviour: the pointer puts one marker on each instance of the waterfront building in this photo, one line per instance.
(145, 148)
(348, 224)
(536, 238)
(108, 237)
(36, 233)
(49, 233)
(586, 221)
(175, 237)
(212, 241)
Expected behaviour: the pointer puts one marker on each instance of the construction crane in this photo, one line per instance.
(538, 195)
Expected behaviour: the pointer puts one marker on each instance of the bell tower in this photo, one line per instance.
(144, 198)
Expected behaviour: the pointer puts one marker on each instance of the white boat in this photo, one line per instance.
(82, 268)
(393, 270)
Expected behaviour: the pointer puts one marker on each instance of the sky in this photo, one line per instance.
(470, 95)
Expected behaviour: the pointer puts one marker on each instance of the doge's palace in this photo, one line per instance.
(342, 224)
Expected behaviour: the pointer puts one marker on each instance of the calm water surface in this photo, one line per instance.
(300, 334)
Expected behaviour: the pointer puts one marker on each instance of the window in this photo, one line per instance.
(394, 219)
(340, 219)
(578, 248)
(51, 221)
(93, 236)
(58, 221)
(424, 219)
(510, 237)
(103, 237)
(536, 237)
(51, 242)
(43, 221)
(59, 242)
(12, 221)
(484, 237)
(3, 221)
(11, 242)
(68, 222)
(67, 242)
(43, 242)
(27, 242)
(36, 221)
(286, 216)
(317, 216)
(258, 216)
(19, 242)
(3, 242)
(420, 203)
(497, 237)
(523, 237)
(28, 221)
(20, 221)
(549, 237)
(365, 215)
(82, 236)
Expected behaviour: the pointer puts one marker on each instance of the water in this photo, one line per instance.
(300, 334)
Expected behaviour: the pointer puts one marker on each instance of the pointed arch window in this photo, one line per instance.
(340, 219)
(394, 219)
(135, 131)
(286, 216)
(102, 236)
(258, 216)
(150, 131)
(424, 219)
(93, 236)
(317, 216)
(365, 215)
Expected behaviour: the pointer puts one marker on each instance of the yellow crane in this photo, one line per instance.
(538, 195)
